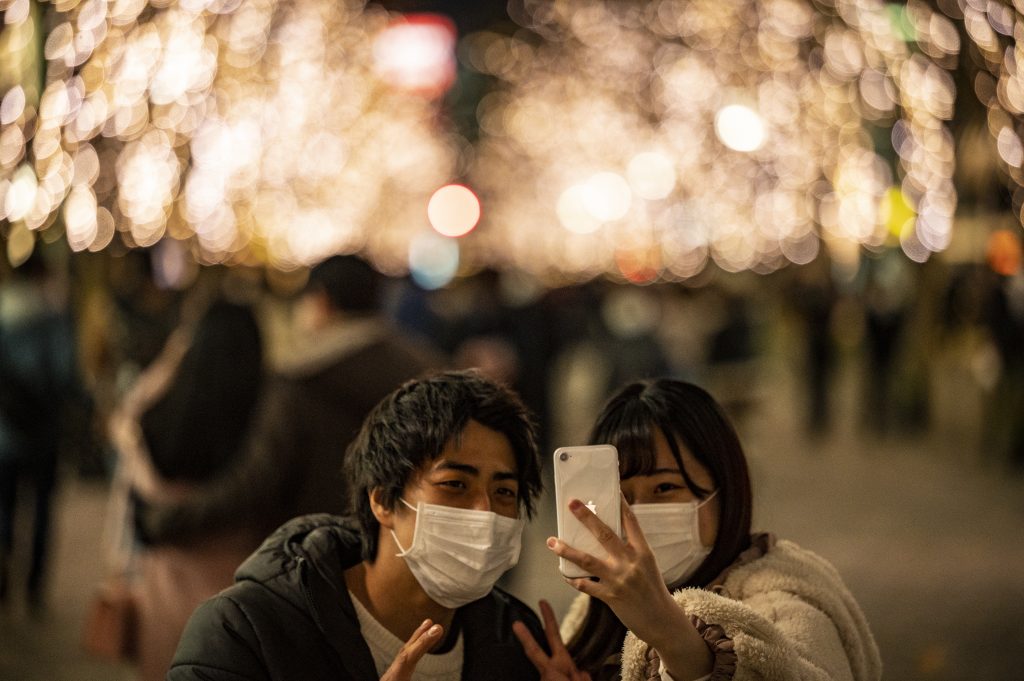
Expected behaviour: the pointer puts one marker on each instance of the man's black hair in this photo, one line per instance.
(411, 426)
(350, 283)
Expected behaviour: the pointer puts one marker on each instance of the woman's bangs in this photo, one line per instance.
(636, 449)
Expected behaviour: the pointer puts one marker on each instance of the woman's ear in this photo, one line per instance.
(383, 514)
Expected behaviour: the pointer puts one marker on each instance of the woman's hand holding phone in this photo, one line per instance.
(629, 580)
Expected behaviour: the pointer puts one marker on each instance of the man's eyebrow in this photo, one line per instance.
(473, 470)
(460, 467)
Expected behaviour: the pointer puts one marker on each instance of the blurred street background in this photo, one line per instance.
(921, 524)
(812, 208)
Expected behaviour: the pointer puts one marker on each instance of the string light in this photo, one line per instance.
(765, 117)
(248, 130)
(643, 140)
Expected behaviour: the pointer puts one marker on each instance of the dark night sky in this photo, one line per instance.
(469, 16)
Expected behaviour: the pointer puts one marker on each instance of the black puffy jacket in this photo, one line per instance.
(289, 616)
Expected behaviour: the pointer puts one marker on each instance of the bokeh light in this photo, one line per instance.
(453, 210)
(739, 128)
(747, 134)
(433, 260)
(417, 52)
(248, 131)
(637, 140)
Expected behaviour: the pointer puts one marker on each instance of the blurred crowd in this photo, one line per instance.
(218, 401)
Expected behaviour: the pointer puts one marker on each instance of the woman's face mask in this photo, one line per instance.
(672, 531)
(457, 554)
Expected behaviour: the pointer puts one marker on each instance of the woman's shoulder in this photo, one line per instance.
(785, 555)
(790, 569)
(574, 617)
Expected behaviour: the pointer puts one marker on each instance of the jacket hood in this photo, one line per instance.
(308, 354)
(304, 563)
(321, 540)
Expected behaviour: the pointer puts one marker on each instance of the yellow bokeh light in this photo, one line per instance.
(896, 211)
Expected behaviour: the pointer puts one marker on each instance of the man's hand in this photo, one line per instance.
(423, 639)
(559, 666)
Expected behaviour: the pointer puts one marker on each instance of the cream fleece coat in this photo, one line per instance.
(786, 615)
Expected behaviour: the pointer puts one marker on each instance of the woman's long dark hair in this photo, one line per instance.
(683, 413)
(197, 427)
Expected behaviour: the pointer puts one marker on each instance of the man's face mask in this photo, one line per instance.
(457, 554)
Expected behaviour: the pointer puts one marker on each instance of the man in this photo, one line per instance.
(440, 477)
(345, 359)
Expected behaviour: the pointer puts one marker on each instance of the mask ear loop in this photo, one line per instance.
(404, 552)
(696, 517)
(707, 498)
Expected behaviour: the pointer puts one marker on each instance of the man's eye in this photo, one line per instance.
(507, 492)
(454, 484)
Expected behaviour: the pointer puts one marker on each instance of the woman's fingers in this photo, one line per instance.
(634, 535)
(534, 653)
(584, 560)
(605, 535)
(594, 589)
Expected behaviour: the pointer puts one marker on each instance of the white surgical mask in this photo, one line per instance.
(458, 554)
(673, 533)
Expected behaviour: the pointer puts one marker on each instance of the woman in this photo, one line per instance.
(181, 428)
(689, 593)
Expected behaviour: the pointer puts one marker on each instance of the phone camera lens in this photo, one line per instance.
(563, 457)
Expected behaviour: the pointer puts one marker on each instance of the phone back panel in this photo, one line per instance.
(590, 474)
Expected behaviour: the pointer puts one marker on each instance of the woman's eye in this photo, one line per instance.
(665, 488)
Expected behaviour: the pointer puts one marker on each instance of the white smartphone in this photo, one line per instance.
(591, 474)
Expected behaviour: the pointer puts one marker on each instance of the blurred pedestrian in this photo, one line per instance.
(813, 296)
(344, 358)
(38, 378)
(181, 427)
(1003, 315)
(889, 290)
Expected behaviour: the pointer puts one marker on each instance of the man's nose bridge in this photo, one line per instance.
(482, 501)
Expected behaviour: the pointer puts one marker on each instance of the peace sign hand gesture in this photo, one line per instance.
(558, 666)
